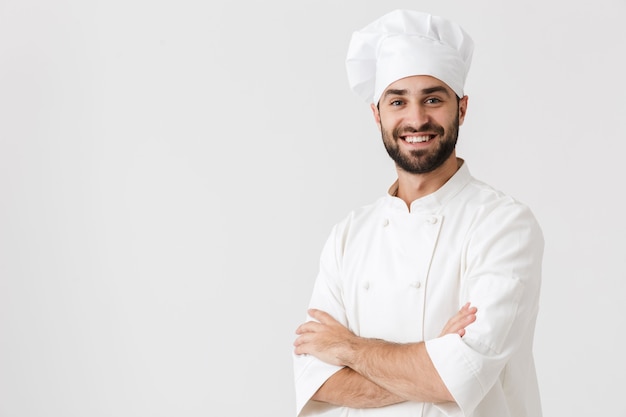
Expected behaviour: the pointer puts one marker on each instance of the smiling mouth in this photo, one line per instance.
(417, 138)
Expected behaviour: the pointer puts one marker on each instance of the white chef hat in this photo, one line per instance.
(405, 43)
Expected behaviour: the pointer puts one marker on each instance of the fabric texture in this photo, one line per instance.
(399, 275)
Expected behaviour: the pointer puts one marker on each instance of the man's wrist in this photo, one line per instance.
(350, 351)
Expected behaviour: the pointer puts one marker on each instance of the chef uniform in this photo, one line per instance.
(398, 273)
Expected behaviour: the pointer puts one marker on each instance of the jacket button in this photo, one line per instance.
(432, 220)
(385, 222)
(416, 284)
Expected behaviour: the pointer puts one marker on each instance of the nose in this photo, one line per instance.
(417, 115)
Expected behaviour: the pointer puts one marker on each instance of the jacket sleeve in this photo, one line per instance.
(309, 372)
(502, 277)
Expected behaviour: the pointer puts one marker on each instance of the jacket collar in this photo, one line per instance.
(433, 202)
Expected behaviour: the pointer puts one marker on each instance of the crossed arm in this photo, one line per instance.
(376, 373)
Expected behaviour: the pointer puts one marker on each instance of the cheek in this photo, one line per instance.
(387, 122)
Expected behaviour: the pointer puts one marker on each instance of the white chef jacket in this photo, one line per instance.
(399, 275)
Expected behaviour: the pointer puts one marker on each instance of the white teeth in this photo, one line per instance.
(416, 139)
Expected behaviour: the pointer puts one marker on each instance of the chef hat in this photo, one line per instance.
(405, 43)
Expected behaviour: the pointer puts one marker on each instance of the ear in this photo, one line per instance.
(376, 114)
(462, 109)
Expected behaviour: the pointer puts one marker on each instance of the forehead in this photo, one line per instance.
(418, 84)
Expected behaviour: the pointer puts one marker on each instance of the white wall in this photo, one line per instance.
(170, 170)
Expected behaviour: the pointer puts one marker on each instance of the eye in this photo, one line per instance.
(432, 100)
(396, 102)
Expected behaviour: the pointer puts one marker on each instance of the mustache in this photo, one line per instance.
(426, 127)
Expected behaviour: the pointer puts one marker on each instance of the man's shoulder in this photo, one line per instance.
(491, 206)
(482, 194)
(365, 212)
(359, 217)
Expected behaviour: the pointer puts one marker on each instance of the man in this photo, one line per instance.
(395, 273)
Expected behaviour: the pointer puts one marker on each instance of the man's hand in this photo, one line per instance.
(462, 319)
(326, 339)
(329, 341)
(383, 373)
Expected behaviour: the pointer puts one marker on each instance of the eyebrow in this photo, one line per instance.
(424, 91)
(436, 89)
(394, 92)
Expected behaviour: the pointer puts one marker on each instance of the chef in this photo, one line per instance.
(389, 331)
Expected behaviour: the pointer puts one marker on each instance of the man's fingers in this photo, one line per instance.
(300, 345)
(471, 317)
(463, 318)
(309, 326)
(468, 308)
(302, 339)
(320, 315)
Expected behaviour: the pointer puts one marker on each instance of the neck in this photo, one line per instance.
(414, 186)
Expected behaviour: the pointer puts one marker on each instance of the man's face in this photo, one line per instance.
(419, 118)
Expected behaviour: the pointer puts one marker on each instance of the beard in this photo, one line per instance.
(421, 161)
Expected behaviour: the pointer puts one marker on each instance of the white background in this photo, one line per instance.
(169, 171)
